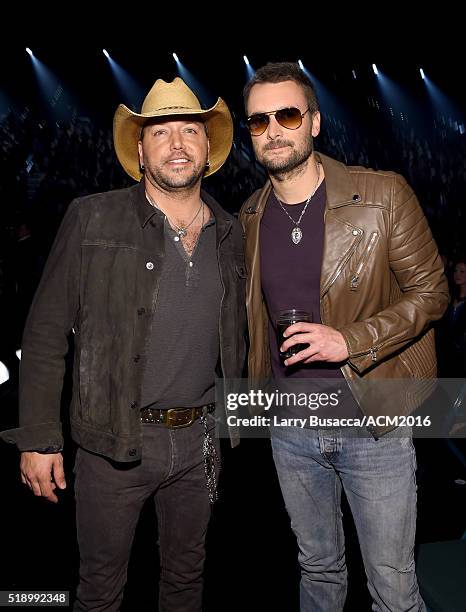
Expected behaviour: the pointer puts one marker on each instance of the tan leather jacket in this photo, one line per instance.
(382, 284)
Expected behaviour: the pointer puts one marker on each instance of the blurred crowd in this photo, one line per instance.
(44, 164)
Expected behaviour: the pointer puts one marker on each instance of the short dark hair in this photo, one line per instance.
(279, 72)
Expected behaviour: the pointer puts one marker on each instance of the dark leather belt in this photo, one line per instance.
(174, 418)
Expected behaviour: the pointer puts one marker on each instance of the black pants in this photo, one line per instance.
(109, 498)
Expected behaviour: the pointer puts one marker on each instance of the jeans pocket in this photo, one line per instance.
(211, 422)
(76, 459)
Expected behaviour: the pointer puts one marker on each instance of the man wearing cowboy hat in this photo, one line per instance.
(151, 282)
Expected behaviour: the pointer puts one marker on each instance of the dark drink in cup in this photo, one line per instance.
(284, 320)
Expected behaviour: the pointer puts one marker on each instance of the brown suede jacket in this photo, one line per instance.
(101, 283)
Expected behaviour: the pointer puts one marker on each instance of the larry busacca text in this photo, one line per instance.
(314, 421)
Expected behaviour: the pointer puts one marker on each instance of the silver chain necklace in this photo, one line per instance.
(297, 232)
(181, 232)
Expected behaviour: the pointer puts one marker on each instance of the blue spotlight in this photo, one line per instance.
(375, 69)
(333, 107)
(300, 64)
(28, 50)
(443, 105)
(106, 53)
(130, 90)
(204, 95)
(249, 69)
(57, 101)
(397, 100)
(423, 76)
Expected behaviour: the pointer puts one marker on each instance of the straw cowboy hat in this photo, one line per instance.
(169, 100)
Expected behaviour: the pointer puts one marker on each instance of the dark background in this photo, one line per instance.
(252, 557)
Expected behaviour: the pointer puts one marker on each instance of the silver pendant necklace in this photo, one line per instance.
(181, 232)
(297, 232)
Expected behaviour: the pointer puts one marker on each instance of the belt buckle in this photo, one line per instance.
(171, 425)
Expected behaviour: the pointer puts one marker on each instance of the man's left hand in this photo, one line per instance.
(325, 343)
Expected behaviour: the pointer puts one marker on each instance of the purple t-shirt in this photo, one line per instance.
(290, 275)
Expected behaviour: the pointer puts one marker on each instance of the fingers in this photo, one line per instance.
(325, 343)
(299, 327)
(36, 473)
(304, 355)
(298, 338)
(42, 487)
(59, 473)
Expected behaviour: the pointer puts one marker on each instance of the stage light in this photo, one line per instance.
(354, 74)
(106, 53)
(28, 50)
(442, 104)
(18, 354)
(375, 69)
(250, 72)
(4, 373)
(175, 57)
(300, 64)
(131, 91)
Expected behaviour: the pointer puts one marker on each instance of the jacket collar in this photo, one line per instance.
(146, 211)
(339, 184)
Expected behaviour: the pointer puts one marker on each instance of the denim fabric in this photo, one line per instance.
(109, 498)
(378, 477)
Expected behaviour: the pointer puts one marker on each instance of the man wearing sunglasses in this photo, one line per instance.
(352, 247)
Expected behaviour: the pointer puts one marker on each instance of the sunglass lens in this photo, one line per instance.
(257, 124)
(289, 118)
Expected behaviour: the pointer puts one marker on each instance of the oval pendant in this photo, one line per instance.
(296, 235)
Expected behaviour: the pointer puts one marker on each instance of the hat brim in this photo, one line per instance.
(127, 127)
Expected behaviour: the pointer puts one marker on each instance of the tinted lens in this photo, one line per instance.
(257, 124)
(289, 118)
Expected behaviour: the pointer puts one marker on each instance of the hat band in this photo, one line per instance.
(176, 107)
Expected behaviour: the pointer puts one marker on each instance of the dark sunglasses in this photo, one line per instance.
(289, 118)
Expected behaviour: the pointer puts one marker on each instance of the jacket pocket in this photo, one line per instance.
(359, 269)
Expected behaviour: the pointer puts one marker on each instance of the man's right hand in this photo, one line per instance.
(42, 473)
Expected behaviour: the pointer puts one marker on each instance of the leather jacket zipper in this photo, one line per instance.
(354, 282)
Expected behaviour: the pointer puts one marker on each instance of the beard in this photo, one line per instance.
(298, 155)
(176, 179)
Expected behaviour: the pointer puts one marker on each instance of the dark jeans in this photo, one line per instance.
(109, 498)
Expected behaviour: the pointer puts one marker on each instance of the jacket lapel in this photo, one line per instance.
(252, 220)
(341, 237)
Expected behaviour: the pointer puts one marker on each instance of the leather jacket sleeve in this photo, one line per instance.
(417, 270)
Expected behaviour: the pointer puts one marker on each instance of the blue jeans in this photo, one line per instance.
(378, 477)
